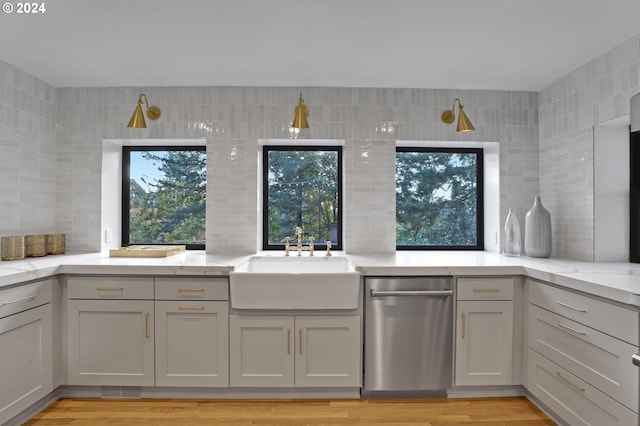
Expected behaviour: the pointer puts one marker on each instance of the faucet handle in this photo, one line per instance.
(311, 239)
(287, 241)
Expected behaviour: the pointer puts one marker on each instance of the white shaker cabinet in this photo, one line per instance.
(192, 331)
(295, 351)
(484, 337)
(261, 351)
(110, 331)
(26, 367)
(328, 351)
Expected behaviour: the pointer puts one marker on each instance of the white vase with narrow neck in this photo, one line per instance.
(537, 230)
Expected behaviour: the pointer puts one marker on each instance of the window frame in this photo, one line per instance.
(479, 152)
(126, 188)
(265, 194)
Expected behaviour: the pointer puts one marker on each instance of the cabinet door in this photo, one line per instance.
(26, 369)
(192, 343)
(484, 343)
(261, 351)
(328, 351)
(110, 342)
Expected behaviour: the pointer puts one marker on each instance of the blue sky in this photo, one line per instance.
(140, 167)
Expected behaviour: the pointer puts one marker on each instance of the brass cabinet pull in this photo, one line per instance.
(24, 299)
(191, 308)
(463, 325)
(572, 307)
(109, 288)
(569, 382)
(582, 333)
(486, 290)
(300, 343)
(146, 325)
(288, 340)
(191, 289)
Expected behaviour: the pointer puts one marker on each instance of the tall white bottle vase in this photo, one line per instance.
(537, 230)
(511, 240)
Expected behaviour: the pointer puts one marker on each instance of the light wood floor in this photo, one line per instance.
(405, 412)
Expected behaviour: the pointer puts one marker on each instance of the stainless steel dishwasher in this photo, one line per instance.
(408, 344)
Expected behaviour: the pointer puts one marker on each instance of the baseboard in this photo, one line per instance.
(485, 391)
(34, 408)
(212, 393)
(546, 410)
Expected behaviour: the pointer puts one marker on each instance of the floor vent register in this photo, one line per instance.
(131, 392)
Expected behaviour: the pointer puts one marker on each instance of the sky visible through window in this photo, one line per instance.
(142, 169)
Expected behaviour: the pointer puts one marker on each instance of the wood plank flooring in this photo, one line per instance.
(404, 412)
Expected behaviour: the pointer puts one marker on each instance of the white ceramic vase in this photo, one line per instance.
(537, 231)
(511, 240)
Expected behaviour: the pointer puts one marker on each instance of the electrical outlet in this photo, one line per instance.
(108, 236)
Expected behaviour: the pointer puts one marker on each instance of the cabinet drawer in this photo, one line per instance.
(110, 288)
(600, 315)
(192, 288)
(23, 297)
(574, 400)
(599, 359)
(485, 288)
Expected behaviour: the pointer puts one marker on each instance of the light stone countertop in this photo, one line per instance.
(615, 281)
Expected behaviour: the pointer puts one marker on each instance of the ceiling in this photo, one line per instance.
(455, 44)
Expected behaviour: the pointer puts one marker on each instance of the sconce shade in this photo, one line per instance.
(137, 119)
(464, 124)
(301, 113)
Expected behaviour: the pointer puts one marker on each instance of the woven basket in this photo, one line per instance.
(35, 245)
(12, 248)
(55, 243)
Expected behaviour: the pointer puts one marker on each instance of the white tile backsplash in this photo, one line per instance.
(232, 119)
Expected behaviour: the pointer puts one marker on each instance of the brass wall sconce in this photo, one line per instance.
(301, 113)
(464, 124)
(137, 119)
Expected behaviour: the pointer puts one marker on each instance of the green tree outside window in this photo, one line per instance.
(302, 188)
(165, 200)
(439, 198)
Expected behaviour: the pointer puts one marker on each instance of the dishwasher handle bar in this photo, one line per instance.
(382, 293)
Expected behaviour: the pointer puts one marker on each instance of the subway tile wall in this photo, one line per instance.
(27, 154)
(232, 120)
(569, 108)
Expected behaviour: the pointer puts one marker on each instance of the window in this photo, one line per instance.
(163, 195)
(439, 200)
(302, 187)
